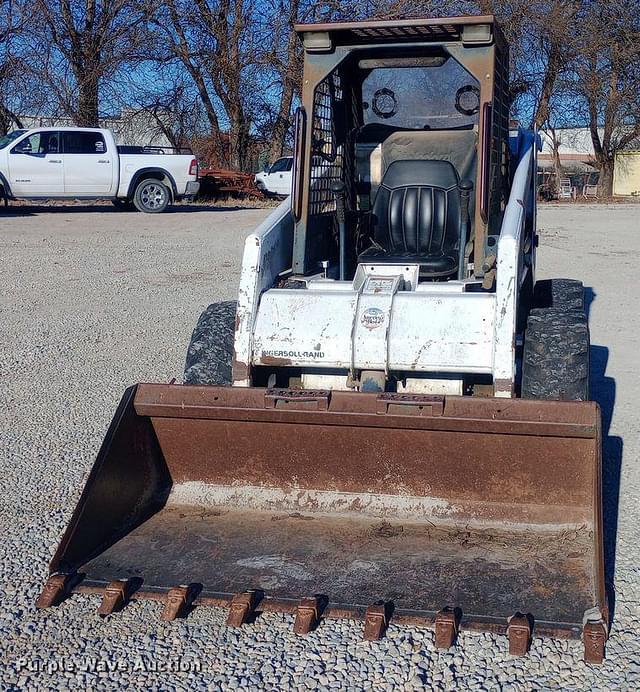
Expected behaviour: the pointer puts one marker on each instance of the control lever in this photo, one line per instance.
(465, 187)
(337, 187)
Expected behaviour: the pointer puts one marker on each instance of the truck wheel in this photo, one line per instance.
(211, 349)
(562, 294)
(151, 196)
(555, 360)
(123, 204)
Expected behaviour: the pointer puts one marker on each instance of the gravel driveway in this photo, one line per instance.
(92, 300)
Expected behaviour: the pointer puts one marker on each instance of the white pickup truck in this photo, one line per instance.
(86, 163)
(276, 180)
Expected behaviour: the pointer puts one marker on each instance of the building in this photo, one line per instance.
(575, 149)
(626, 174)
(577, 158)
(137, 128)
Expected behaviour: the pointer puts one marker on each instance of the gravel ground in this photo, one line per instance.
(92, 300)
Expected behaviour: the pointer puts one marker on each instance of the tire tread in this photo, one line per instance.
(555, 362)
(210, 351)
(560, 294)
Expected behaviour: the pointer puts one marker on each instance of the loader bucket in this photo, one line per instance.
(457, 511)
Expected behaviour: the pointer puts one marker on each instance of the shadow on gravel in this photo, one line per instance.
(603, 390)
(15, 211)
(589, 297)
(108, 208)
(205, 206)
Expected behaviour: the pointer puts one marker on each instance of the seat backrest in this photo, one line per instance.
(417, 208)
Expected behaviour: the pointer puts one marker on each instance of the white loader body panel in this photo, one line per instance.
(383, 320)
(407, 331)
(267, 253)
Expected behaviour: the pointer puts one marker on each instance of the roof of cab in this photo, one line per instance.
(396, 30)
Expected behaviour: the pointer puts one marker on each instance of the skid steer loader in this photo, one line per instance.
(392, 423)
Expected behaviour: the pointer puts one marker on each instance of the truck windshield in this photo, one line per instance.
(10, 137)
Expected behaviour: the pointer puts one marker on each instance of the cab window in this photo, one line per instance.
(83, 142)
(39, 143)
(440, 94)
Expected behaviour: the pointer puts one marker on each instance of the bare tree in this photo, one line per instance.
(233, 67)
(285, 58)
(87, 41)
(554, 138)
(172, 107)
(11, 21)
(174, 42)
(553, 30)
(218, 43)
(607, 79)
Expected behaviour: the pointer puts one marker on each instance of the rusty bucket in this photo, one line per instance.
(447, 511)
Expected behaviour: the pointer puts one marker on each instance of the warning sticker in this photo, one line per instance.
(379, 284)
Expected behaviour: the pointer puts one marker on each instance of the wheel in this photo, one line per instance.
(555, 359)
(151, 196)
(562, 294)
(211, 349)
(123, 204)
(294, 283)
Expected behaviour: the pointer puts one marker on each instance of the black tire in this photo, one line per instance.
(123, 204)
(294, 283)
(555, 360)
(561, 294)
(210, 352)
(151, 196)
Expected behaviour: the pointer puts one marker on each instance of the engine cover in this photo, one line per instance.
(378, 325)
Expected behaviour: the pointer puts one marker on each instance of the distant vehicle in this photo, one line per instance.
(86, 163)
(276, 181)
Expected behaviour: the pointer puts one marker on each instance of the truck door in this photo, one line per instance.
(280, 176)
(36, 166)
(88, 166)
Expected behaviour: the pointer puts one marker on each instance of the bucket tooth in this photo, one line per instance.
(447, 624)
(178, 601)
(594, 636)
(375, 622)
(519, 633)
(55, 590)
(307, 615)
(115, 596)
(242, 607)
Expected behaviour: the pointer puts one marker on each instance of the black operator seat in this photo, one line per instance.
(417, 218)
